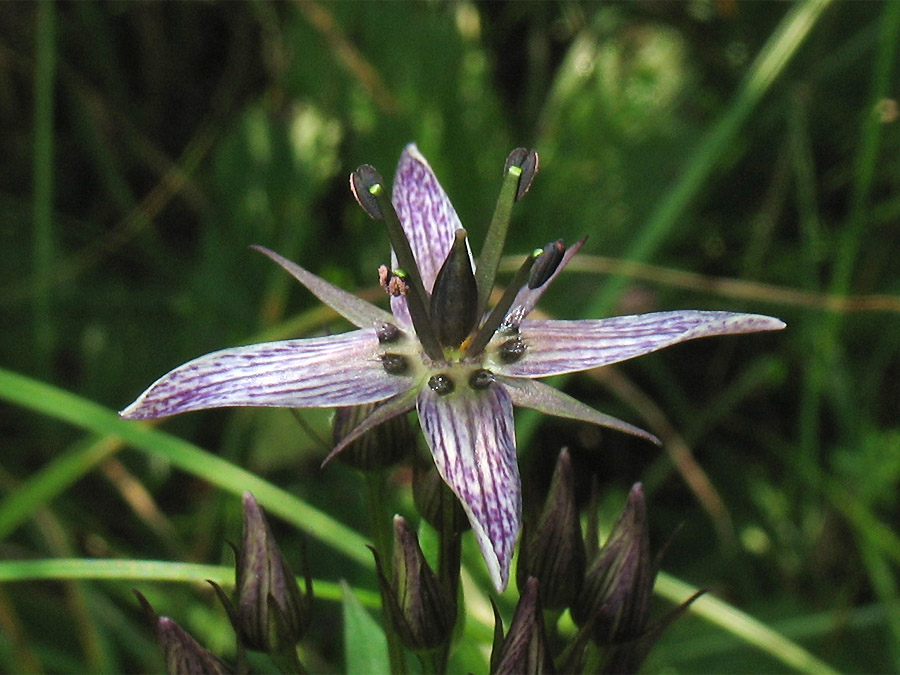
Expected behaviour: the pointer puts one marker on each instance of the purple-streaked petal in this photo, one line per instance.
(329, 371)
(428, 218)
(527, 298)
(556, 347)
(356, 310)
(545, 399)
(400, 404)
(425, 211)
(473, 441)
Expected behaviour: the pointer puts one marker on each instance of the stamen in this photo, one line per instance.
(441, 384)
(547, 263)
(367, 181)
(394, 364)
(387, 333)
(518, 173)
(481, 379)
(512, 350)
(492, 323)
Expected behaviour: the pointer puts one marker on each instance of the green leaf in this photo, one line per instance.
(365, 646)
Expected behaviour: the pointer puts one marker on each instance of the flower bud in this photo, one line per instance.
(383, 446)
(524, 649)
(420, 610)
(272, 613)
(429, 493)
(553, 550)
(181, 652)
(615, 598)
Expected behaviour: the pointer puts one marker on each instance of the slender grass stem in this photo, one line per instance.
(42, 169)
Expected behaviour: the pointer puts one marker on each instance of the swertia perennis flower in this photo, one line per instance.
(439, 350)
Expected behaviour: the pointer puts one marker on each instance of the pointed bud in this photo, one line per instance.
(429, 491)
(454, 298)
(553, 550)
(362, 183)
(272, 613)
(383, 446)
(418, 607)
(181, 652)
(527, 162)
(618, 586)
(525, 647)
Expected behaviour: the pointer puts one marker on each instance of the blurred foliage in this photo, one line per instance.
(147, 145)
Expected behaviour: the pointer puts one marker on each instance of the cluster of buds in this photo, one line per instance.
(608, 596)
(269, 613)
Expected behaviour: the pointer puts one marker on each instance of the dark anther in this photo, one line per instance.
(387, 333)
(394, 364)
(527, 161)
(441, 384)
(546, 264)
(512, 350)
(361, 182)
(481, 379)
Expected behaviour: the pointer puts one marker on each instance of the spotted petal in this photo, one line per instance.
(556, 347)
(472, 438)
(338, 370)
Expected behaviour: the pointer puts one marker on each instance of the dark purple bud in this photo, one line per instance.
(383, 446)
(429, 494)
(525, 647)
(362, 182)
(419, 608)
(618, 586)
(454, 298)
(526, 161)
(272, 613)
(546, 264)
(181, 652)
(553, 550)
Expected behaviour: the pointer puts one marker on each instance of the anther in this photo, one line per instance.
(441, 384)
(547, 263)
(512, 350)
(387, 333)
(481, 379)
(394, 364)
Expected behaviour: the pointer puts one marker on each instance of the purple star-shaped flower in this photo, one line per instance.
(439, 351)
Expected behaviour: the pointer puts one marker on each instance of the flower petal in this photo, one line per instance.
(357, 311)
(427, 216)
(527, 298)
(472, 438)
(545, 399)
(312, 373)
(556, 347)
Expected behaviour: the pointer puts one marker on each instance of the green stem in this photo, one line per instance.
(448, 569)
(382, 537)
(44, 79)
(489, 260)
